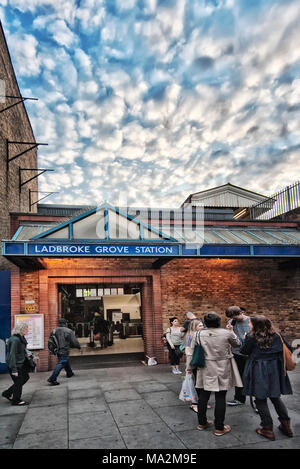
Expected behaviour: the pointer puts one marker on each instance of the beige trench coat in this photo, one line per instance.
(220, 372)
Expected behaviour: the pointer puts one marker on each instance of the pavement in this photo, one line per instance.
(131, 408)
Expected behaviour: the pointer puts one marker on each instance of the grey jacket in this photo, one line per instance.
(66, 340)
(16, 352)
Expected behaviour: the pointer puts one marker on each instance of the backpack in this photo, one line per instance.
(53, 343)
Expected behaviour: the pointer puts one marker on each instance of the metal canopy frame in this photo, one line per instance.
(21, 184)
(21, 98)
(9, 142)
(106, 207)
(39, 192)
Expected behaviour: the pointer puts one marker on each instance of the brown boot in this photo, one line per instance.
(285, 427)
(267, 432)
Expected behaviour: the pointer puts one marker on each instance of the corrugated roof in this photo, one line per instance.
(207, 235)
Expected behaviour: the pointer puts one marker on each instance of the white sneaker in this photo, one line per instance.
(179, 372)
(174, 371)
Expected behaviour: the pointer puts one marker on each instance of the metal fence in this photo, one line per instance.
(278, 205)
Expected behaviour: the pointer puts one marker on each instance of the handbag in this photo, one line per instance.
(198, 358)
(182, 347)
(29, 364)
(288, 362)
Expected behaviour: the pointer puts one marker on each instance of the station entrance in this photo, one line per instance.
(106, 319)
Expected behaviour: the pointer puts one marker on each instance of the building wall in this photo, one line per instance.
(259, 285)
(15, 126)
(198, 285)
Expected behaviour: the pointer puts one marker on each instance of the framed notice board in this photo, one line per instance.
(35, 336)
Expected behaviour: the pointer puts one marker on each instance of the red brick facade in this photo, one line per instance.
(198, 285)
(15, 127)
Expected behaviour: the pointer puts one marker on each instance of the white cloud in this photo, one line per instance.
(24, 50)
(62, 34)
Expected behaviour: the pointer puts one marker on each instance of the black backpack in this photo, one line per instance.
(53, 343)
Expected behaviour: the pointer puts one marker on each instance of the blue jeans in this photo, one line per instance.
(63, 362)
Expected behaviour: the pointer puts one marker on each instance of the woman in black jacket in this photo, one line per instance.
(264, 376)
(16, 353)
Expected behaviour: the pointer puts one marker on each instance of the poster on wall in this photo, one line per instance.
(35, 336)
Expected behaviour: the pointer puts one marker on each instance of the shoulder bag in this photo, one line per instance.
(198, 358)
(288, 362)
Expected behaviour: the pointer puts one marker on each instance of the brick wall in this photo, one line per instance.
(15, 126)
(259, 285)
(198, 285)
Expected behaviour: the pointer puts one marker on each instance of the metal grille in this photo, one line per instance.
(279, 204)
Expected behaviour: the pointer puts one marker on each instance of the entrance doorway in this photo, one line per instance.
(106, 319)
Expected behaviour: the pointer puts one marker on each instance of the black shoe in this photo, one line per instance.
(6, 396)
(70, 376)
(20, 403)
(53, 383)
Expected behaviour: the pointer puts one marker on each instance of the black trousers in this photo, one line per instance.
(174, 355)
(16, 389)
(241, 363)
(264, 412)
(220, 407)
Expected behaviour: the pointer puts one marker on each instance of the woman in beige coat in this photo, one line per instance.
(220, 372)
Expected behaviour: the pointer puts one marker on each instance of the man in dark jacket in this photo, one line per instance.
(66, 339)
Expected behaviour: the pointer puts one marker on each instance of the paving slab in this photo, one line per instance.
(130, 413)
(163, 399)
(117, 395)
(115, 385)
(153, 435)
(7, 409)
(105, 442)
(85, 393)
(90, 404)
(42, 440)
(48, 418)
(92, 425)
(49, 396)
(178, 418)
(150, 386)
(9, 428)
(195, 439)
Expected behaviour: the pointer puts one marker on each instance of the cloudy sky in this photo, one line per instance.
(152, 100)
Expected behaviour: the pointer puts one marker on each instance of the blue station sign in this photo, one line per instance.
(88, 249)
(83, 249)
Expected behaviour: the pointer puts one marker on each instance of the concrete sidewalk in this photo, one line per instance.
(128, 407)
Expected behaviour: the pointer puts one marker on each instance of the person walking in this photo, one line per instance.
(16, 353)
(174, 337)
(220, 372)
(241, 326)
(66, 339)
(264, 375)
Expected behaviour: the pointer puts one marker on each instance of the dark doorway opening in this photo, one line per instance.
(107, 320)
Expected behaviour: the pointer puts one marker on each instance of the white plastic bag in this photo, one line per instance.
(151, 361)
(188, 392)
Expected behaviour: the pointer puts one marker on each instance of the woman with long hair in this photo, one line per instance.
(264, 376)
(220, 372)
(194, 326)
(174, 338)
(15, 359)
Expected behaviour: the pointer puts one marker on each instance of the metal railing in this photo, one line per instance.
(279, 204)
